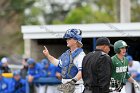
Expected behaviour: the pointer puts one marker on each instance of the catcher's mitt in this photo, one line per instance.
(68, 87)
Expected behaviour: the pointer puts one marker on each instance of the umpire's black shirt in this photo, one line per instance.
(96, 71)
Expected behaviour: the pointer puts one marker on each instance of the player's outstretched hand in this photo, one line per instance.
(45, 51)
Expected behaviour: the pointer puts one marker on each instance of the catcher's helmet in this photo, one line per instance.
(30, 61)
(118, 45)
(75, 34)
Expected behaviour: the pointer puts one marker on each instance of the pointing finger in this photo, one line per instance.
(45, 47)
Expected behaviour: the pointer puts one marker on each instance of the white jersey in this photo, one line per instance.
(135, 68)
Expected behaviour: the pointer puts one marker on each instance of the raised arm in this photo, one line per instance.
(50, 57)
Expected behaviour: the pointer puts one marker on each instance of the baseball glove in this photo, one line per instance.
(68, 87)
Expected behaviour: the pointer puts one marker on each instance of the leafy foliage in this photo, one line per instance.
(87, 15)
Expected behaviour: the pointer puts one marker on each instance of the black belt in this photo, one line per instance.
(95, 89)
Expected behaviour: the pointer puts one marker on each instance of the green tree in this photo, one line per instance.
(135, 10)
(11, 19)
(87, 14)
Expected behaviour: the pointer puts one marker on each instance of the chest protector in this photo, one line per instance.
(69, 70)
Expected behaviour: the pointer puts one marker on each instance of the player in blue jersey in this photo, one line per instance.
(71, 60)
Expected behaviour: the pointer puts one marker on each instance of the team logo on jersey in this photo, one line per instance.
(4, 86)
(121, 69)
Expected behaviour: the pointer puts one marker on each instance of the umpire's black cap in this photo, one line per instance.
(103, 41)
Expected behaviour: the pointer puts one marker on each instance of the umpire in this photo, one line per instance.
(96, 72)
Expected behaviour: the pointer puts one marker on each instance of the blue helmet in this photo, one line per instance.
(129, 58)
(75, 34)
(45, 61)
(17, 72)
(30, 61)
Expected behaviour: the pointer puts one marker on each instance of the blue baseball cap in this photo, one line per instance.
(75, 34)
(45, 61)
(129, 58)
(30, 61)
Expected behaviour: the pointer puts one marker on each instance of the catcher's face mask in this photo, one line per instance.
(75, 34)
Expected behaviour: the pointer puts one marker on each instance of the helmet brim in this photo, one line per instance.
(111, 45)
